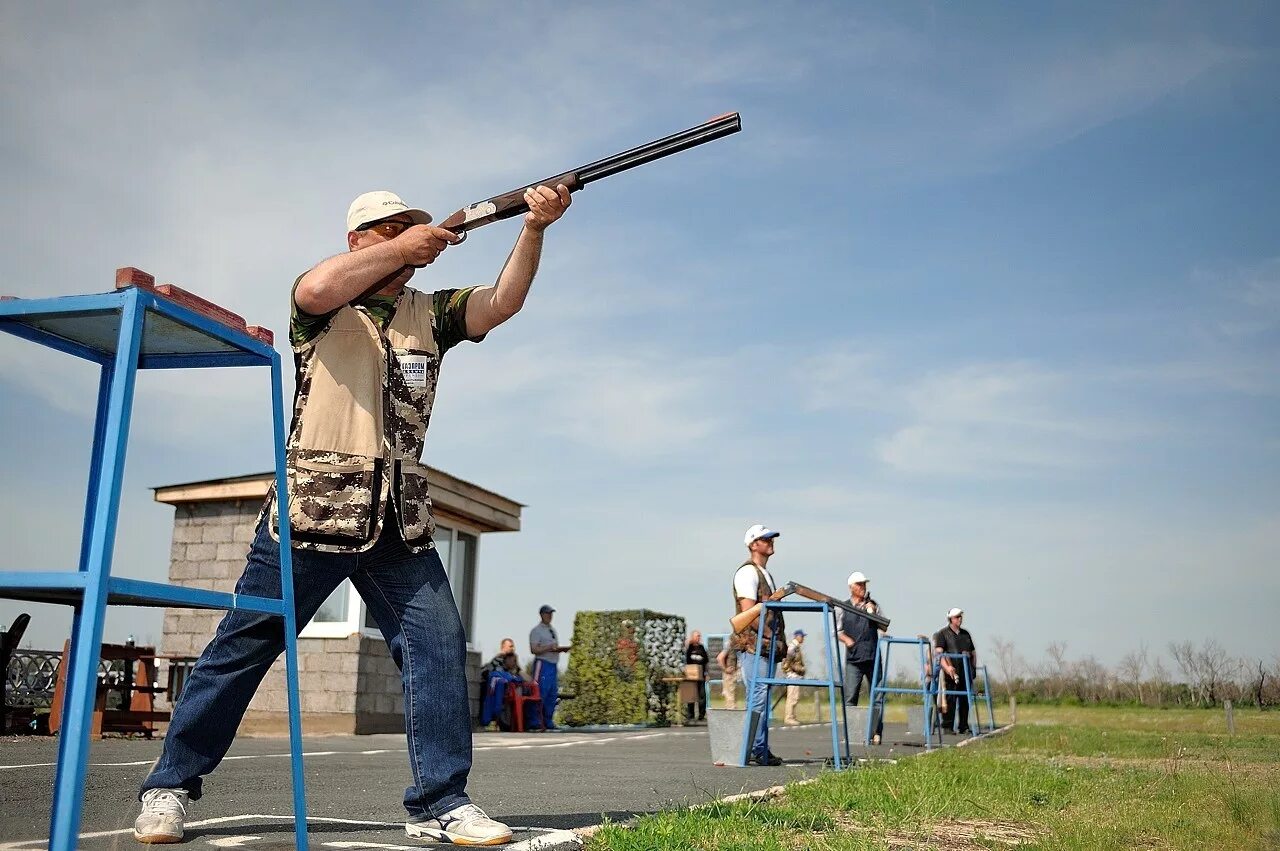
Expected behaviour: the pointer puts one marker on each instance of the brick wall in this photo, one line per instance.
(346, 685)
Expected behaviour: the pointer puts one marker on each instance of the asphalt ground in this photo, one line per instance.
(537, 782)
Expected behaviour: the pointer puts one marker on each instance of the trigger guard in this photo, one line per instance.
(463, 234)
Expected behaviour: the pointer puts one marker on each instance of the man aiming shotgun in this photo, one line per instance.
(368, 350)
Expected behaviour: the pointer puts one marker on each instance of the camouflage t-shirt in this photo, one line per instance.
(449, 307)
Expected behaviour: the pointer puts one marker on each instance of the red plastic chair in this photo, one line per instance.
(525, 693)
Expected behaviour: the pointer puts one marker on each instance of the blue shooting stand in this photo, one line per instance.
(125, 331)
(985, 697)
(878, 687)
(833, 683)
(976, 728)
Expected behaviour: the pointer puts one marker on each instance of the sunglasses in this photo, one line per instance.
(389, 229)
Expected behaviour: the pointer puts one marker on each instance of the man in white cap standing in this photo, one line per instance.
(367, 349)
(954, 638)
(753, 584)
(861, 640)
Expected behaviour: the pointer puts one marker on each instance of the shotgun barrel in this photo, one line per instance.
(512, 203)
(810, 594)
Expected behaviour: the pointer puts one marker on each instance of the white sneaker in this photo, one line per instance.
(464, 825)
(163, 812)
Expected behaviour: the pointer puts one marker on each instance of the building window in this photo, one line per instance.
(344, 613)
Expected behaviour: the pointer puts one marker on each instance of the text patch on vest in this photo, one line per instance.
(414, 369)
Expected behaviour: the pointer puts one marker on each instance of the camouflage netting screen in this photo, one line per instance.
(617, 665)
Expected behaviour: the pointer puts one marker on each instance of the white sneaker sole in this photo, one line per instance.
(157, 838)
(417, 831)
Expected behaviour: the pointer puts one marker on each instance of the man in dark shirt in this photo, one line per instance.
(696, 654)
(956, 675)
(860, 639)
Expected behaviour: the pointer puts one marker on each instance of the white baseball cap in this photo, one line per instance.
(856, 577)
(372, 206)
(757, 532)
(954, 612)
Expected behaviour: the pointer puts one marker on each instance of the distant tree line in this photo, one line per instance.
(1205, 675)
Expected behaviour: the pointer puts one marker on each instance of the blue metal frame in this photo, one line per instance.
(975, 729)
(832, 683)
(878, 688)
(985, 698)
(81, 321)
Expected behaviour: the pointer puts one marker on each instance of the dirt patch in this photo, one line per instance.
(1168, 765)
(952, 835)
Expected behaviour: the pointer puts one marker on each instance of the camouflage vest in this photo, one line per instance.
(745, 641)
(361, 409)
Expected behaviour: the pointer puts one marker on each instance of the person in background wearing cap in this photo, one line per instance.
(861, 640)
(546, 650)
(953, 638)
(793, 667)
(367, 352)
(752, 584)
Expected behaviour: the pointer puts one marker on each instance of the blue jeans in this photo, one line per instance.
(757, 694)
(410, 599)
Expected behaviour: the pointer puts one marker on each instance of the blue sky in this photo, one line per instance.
(984, 301)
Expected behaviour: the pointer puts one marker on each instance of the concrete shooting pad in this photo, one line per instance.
(539, 782)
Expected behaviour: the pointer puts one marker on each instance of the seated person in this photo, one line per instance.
(494, 705)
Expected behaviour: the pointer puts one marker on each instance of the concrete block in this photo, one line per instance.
(180, 570)
(209, 570)
(202, 552)
(231, 552)
(219, 534)
(186, 534)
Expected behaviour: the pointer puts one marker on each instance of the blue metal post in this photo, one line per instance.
(86, 640)
(986, 691)
(871, 690)
(747, 738)
(828, 616)
(290, 612)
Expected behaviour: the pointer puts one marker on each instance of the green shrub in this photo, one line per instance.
(616, 668)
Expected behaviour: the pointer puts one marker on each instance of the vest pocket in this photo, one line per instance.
(331, 500)
(413, 503)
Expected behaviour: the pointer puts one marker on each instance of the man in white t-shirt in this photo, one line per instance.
(752, 584)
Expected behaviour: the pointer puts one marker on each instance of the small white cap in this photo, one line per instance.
(372, 206)
(856, 577)
(954, 612)
(757, 532)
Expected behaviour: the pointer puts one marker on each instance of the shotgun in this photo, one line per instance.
(512, 203)
(808, 593)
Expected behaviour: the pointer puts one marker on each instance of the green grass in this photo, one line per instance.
(1066, 778)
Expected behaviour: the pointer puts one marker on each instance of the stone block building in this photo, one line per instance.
(347, 680)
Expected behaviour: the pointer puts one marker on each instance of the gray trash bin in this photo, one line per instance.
(724, 729)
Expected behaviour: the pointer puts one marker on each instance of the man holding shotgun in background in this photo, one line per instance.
(752, 585)
(368, 351)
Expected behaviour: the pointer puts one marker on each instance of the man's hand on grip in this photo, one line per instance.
(420, 245)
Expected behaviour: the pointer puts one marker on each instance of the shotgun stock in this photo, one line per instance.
(747, 617)
(512, 203)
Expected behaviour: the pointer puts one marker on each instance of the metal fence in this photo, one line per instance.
(31, 678)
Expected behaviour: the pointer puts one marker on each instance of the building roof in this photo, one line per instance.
(490, 511)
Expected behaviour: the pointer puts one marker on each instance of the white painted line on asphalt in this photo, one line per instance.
(244, 841)
(310, 754)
